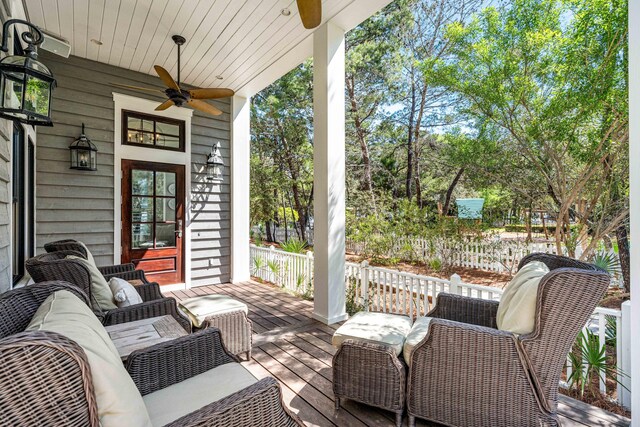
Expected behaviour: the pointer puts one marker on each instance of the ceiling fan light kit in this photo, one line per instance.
(178, 96)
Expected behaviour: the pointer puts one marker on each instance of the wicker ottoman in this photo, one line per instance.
(224, 313)
(366, 367)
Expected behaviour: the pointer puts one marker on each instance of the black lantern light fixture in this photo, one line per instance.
(25, 82)
(84, 154)
(215, 164)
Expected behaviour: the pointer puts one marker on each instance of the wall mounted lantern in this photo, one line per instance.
(84, 154)
(215, 164)
(25, 82)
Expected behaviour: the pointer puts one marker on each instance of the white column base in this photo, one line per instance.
(329, 321)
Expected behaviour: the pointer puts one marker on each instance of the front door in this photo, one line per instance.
(153, 219)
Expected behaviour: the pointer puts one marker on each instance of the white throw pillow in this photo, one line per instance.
(117, 397)
(124, 293)
(517, 308)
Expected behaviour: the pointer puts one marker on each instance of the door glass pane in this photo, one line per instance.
(165, 184)
(141, 209)
(167, 141)
(141, 237)
(165, 235)
(167, 128)
(165, 209)
(142, 182)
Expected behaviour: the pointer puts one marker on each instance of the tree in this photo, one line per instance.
(281, 140)
(372, 65)
(548, 77)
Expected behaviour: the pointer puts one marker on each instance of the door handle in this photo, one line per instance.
(179, 230)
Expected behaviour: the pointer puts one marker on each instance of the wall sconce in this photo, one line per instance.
(84, 154)
(215, 164)
(25, 82)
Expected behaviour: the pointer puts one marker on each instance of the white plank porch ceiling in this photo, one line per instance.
(233, 39)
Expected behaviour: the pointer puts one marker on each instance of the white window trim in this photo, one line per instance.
(130, 152)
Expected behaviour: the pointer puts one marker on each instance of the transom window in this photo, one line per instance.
(145, 130)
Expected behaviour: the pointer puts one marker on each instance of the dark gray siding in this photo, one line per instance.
(5, 202)
(73, 204)
(5, 206)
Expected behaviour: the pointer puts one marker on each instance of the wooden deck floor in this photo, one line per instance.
(292, 347)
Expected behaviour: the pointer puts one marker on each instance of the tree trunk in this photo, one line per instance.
(528, 224)
(623, 254)
(410, 141)
(269, 234)
(367, 182)
(452, 186)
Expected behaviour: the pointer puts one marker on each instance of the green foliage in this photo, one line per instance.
(354, 304)
(589, 363)
(258, 265)
(607, 261)
(435, 264)
(294, 245)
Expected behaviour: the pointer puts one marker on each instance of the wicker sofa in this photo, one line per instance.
(46, 378)
(124, 271)
(497, 378)
(55, 266)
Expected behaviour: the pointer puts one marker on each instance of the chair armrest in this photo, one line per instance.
(146, 310)
(161, 365)
(474, 311)
(149, 291)
(64, 390)
(259, 404)
(109, 270)
(128, 275)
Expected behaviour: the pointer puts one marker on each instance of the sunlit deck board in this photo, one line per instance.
(292, 347)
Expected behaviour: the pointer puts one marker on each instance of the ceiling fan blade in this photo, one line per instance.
(204, 107)
(166, 77)
(148, 89)
(166, 104)
(310, 12)
(211, 93)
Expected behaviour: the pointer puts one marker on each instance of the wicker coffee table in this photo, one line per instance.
(132, 336)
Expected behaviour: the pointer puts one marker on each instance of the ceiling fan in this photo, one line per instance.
(178, 96)
(310, 12)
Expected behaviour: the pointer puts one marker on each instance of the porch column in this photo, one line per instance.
(634, 202)
(240, 166)
(328, 174)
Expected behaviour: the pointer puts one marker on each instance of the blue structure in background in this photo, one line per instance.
(470, 208)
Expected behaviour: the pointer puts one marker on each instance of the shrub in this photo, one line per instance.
(294, 245)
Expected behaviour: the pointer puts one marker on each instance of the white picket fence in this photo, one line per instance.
(492, 255)
(392, 291)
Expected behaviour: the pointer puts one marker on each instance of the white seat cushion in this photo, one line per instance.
(199, 308)
(380, 328)
(178, 400)
(517, 308)
(124, 293)
(117, 397)
(416, 335)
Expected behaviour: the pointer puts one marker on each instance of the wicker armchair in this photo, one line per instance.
(123, 271)
(64, 393)
(55, 266)
(466, 372)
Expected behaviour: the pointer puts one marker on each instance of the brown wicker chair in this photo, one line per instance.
(466, 372)
(55, 266)
(63, 393)
(123, 271)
